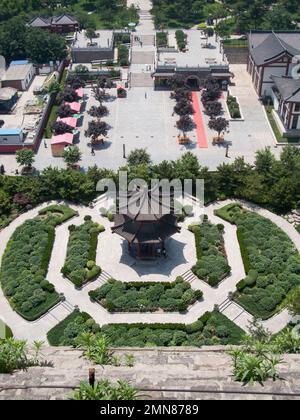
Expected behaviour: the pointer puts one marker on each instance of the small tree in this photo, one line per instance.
(184, 108)
(98, 111)
(25, 157)
(75, 81)
(59, 127)
(69, 95)
(139, 157)
(182, 94)
(54, 88)
(177, 81)
(184, 123)
(90, 34)
(71, 155)
(209, 32)
(213, 108)
(220, 125)
(64, 111)
(97, 129)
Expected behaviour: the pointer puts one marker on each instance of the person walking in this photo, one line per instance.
(146, 96)
(93, 152)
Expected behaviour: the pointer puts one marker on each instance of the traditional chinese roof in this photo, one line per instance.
(151, 222)
(266, 46)
(288, 88)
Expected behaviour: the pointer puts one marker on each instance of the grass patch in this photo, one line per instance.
(51, 120)
(5, 331)
(276, 131)
(229, 212)
(162, 39)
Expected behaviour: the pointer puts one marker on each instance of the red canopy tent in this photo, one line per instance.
(70, 121)
(58, 143)
(75, 106)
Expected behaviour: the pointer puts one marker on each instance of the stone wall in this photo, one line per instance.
(164, 373)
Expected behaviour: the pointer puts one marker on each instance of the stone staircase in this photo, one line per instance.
(164, 374)
(141, 80)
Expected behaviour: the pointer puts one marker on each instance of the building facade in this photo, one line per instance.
(271, 54)
(19, 76)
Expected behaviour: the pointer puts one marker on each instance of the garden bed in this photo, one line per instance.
(116, 296)
(181, 39)
(25, 264)
(65, 333)
(234, 109)
(80, 266)
(271, 263)
(212, 265)
(211, 329)
(161, 39)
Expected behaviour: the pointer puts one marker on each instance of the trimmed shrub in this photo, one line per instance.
(116, 296)
(80, 266)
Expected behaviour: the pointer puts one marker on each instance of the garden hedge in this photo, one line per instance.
(271, 262)
(212, 265)
(117, 296)
(25, 264)
(80, 266)
(64, 333)
(211, 329)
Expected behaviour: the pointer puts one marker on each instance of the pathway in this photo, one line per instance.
(200, 128)
(211, 296)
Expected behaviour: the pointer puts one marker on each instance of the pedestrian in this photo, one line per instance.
(146, 95)
(93, 152)
(17, 172)
(45, 144)
(2, 170)
(227, 151)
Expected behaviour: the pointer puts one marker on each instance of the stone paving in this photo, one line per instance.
(162, 374)
(115, 261)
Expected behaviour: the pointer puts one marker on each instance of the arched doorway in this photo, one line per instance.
(193, 82)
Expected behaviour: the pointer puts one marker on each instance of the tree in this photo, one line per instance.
(184, 108)
(75, 81)
(213, 108)
(185, 123)
(69, 95)
(72, 155)
(209, 32)
(278, 19)
(177, 81)
(98, 111)
(97, 129)
(54, 88)
(25, 157)
(90, 34)
(59, 127)
(64, 111)
(42, 46)
(139, 157)
(220, 125)
(182, 94)
(264, 161)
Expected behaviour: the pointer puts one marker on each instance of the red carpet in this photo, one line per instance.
(202, 140)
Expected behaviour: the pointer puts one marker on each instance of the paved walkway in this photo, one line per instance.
(127, 269)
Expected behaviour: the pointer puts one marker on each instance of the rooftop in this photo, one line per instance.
(104, 40)
(266, 45)
(17, 72)
(288, 88)
(197, 54)
(7, 93)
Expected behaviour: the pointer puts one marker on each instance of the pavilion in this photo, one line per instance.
(148, 229)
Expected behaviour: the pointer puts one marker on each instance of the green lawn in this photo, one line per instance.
(275, 128)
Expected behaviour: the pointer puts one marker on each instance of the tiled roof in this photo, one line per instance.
(265, 46)
(288, 88)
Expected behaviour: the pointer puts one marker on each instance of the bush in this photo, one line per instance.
(181, 38)
(116, 296)
(25, 263)
(212, 265)
(80, 266)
